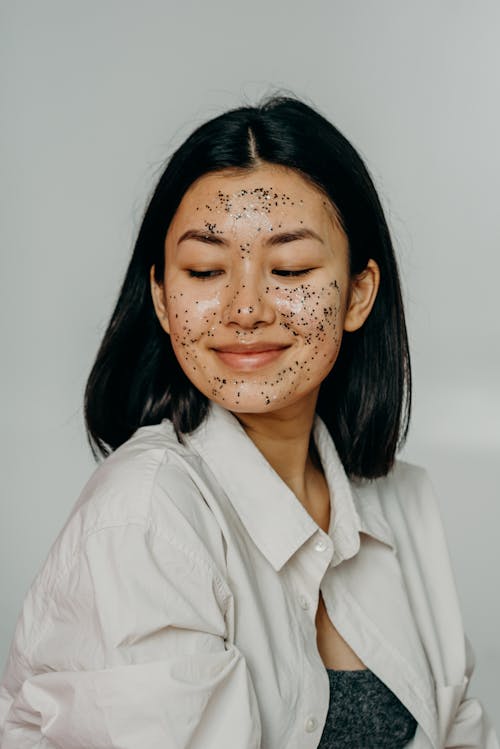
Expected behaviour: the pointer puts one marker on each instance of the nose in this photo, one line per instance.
(248, 303)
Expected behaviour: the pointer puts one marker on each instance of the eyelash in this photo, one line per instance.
(291, 273)
(205, 274)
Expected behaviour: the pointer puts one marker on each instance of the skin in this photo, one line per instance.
(258, 258)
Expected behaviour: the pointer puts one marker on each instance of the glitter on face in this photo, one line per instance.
(234, 287)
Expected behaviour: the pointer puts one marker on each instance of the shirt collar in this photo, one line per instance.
(273, 516)
(355, 507)
(373, 521)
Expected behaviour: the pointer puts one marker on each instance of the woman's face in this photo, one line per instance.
(255, 289)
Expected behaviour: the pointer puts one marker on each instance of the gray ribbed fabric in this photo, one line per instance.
(364, 714)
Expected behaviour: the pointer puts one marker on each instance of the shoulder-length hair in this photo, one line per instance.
(365, 400)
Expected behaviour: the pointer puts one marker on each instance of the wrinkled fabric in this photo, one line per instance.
(176, 609)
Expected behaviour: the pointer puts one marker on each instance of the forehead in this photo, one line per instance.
(267, 190)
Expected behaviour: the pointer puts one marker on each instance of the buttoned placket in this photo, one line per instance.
(310, 565)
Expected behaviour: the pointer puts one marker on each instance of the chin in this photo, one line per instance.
(245, 405)
(256, 405)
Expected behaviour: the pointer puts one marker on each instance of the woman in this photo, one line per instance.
(250, 566)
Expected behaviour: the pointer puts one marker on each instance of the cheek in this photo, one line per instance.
(190, 316)
(311, 310)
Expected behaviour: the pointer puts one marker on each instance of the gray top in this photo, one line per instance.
(364, 714)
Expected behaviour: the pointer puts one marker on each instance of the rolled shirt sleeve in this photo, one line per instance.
(131, 652)
(469, 725)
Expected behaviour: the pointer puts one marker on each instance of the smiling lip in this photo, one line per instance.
(250, 357)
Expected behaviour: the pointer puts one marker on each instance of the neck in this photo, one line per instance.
(284, 438)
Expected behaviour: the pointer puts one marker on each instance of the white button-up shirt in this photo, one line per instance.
(177, 607)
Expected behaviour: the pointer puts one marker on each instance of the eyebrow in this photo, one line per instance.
(291, 236)
(202, 236)
(272, 241)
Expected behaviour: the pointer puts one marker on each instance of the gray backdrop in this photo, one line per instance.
(95, 95)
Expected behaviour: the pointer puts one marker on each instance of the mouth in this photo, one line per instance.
(248, 358)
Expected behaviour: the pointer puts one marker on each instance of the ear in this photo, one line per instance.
(363, 290)
(158, 295)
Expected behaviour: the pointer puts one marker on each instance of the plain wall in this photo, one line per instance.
(95, 96)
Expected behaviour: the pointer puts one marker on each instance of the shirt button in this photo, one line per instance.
(304, 603)
(320, 545)
(311, 724)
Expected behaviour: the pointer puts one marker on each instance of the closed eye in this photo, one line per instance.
(287, 273)
(204, 273)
